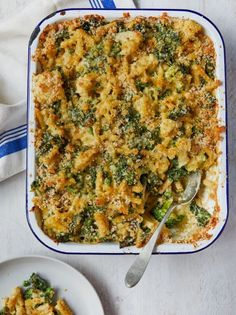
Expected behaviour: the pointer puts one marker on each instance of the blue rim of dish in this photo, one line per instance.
(32, 38)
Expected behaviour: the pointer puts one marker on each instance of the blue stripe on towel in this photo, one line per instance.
(108, 4)
(13, 146)
(12, 131)
(98, 3)
(93, 4)
(14, 136)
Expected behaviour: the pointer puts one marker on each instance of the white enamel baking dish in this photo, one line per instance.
(111, 248)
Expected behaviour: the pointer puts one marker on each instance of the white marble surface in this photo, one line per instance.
(197, 284)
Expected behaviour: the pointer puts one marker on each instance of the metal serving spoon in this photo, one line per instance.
(139, 266)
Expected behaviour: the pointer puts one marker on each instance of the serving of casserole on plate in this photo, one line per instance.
(121, 109)
(36, 297)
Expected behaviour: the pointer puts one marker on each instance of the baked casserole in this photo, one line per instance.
(125, 110)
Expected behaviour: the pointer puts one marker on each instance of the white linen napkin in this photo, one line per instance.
(14, 37)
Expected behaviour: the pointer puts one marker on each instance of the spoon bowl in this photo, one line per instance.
(139, 266)
(191, 189)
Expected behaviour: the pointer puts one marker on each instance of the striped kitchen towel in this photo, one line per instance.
(14, 36)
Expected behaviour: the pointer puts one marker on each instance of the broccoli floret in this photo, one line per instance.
(56, 106)
(88, 231)
(48, 141)
(28, 294)
(81, 118)
(178, 112)
(61, 36)
(62, 237)
(79, 180)
(184, 69)
(167, 40)
(209, 66)
(201, 214)
(108, 181)
(90, 131)
(196, 131)
(202, 81)
(35, 282)
(174, 220)
(36, 184)
(145, 139)
(155, 135)
(132, 118)
(164, 94)
(90, 25)
(107, 178)
(92, 172)
(160, 211)
(144, 28)
(121, 170)
(89, 210)
(128, 241)
(49, 295)
(176, 172)
(141, 85)
(115, 49)
(95, 59)
(152, 182)
(71, 189)
(85, 26)
(210, 100)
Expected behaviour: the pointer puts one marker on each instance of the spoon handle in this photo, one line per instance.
(138, 267)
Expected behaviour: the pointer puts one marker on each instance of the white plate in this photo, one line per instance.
(68, 282)
(111, 248)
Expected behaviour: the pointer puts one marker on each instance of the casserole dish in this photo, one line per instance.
(214, 34)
